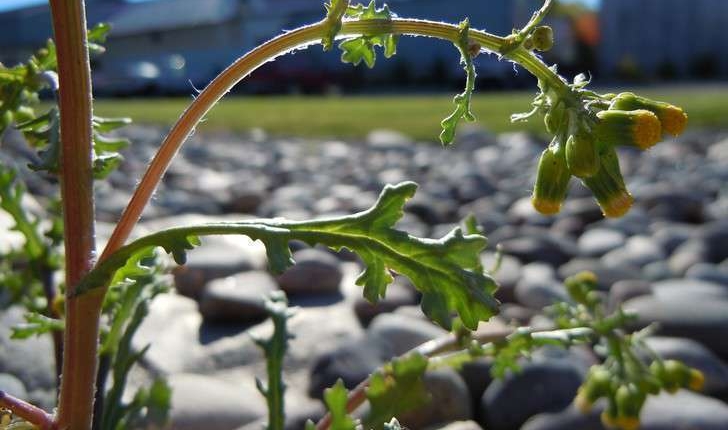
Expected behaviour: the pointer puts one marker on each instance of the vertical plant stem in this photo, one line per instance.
(75, 409)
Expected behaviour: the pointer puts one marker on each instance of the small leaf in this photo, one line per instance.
(36, 325)
(362, 48)
(462, 101)
(335, 11)
(335, 399)
(356, 50)
(398, 388)
(105, 125)
(98, 33)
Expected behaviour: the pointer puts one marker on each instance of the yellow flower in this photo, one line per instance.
(608, 187)
(673, 118)
(638, 128)
(552, 180)
(696, 380)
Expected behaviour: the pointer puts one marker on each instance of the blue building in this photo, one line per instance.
(664, 38)
(170, 45)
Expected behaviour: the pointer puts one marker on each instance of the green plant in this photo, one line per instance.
(586, 127)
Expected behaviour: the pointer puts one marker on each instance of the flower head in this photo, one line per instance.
(552, 180)
(608, 187)
(673, 119)
(638, 128)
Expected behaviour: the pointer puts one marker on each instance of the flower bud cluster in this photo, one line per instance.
(586, 144)
(624, 380)
(625, 398)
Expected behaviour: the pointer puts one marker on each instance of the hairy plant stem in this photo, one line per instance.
(75, 407)
(33, 414)
(282, 44)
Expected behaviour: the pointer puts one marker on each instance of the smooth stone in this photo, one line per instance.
(245, 199)
(688, 254)
(460, 425)
(477, 377)
(172, 331)
(450, 401)
(401, 333)
(683, 410)
(637, 251)
(204, 402)
(546, 386)
(598, 241)
(584, 209)
(218, 257)
(238, 298)
(523, 212)
(689, 289)
(352, 362)
(671, 235)
(704, 320)
(399, 293)
(569, 226)
(13, 386)
(547, 248)
(516, 314)
(658, 271)
(389, 140)
(607, 273)
(622, 291)
(315, 272)
(473, 186)
(30, 360)
(663, 201)
(694, 355)
(567, 419)
(716, 237)
(634, 222)
(506, 276)
(708, 272)
(538, 287)
(430, 209)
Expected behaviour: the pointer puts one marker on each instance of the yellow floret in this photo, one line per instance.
(646, 130)
(617, 205)
(546, 207)
(697, 380)
(674, 120)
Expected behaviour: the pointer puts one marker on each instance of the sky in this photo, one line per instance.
(13, 4)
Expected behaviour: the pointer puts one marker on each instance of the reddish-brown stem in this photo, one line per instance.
(26, 411)
(75, 408)
(447, 343)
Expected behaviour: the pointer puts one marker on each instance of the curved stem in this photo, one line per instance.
(26, 411)
(280, 45)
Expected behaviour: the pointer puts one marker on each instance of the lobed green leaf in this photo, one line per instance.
(446, 270)
(362, 48)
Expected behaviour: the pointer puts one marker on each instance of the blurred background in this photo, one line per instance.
(167, 46)
(168, 49)
(307, 137)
